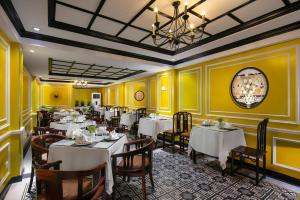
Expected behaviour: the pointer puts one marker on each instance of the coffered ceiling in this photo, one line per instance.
(122, 28)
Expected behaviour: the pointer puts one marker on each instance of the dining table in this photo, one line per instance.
(216, 142)
(152, 126)
(64, 126)
(77, 158)
(128, 119)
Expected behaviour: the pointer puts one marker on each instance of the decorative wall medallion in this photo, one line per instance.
(249, 87)
(139, 95)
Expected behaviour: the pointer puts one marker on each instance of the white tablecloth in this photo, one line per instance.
(108, 114)
(153, 126)
(71, 125)
(85, 158)
(128, 119)
(215, 142)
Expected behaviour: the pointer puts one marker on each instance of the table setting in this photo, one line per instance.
(216, 139)
(73, 121)
(128, 119)
(154, 124)
(86, 149)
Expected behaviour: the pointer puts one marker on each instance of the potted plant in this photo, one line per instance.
(82, 103)
(221, 123)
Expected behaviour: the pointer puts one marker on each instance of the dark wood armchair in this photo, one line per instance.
(89, 184)
(40, 146)
(135, 163)
(182, 122)
(244, 152)
(140, 113)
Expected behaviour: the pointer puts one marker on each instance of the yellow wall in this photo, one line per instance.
(11, 76)
(204, 90)
(63, 95)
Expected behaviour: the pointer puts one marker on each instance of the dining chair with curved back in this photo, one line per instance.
(107, 107)
(123, 109)
(139, 113)
(42, 118)
(39, 147)
(253, 154)
(135, 163)
(187, 124)
(182, 123)
(85, 185)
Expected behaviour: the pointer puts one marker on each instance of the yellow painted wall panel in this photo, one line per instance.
(287, 153)
(56, 95)
(152, 94)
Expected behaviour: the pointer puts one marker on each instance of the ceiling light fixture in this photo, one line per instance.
(36, 29)
(180, 30)
(31, 51)
(80, 83)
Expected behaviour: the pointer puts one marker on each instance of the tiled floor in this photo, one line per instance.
(17, 189)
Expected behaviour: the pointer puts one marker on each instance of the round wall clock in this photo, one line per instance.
(249, 87)
(139, 95)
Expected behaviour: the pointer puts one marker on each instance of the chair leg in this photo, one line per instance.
(144, 186)
(194, 156)
(232, 162)
(164, 142)
(264, 166)
(151, 179)
(257, 170)
(173, 143)
(31, 180)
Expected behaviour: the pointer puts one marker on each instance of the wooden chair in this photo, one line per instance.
(140, 113)
(186, 130)
(135, 163)
(244, 152)
(124, 110)
(48, 130)
(39, 146)
(42, 118)
(180, 125)
(89, 184)
(107, 107)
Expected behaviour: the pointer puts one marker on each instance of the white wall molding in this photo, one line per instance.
(6, 47)
(8, 164)
(213, 113)
(274, 156)
(198, 70)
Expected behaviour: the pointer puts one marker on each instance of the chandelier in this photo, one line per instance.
(180, 30)
(80, 83)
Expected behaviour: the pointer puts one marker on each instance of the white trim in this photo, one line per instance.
(6, 46)
(207, 90)
(274, 156)
(199, 90)
(7, 145)
(158, 90)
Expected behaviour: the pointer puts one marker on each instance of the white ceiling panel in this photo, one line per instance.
(221, 24)
(166, 7)
(72, 16)
(80, 66)
(147, 19)
(149, 41)
(90, 5)
(215, 8)
(258, 8)
(106, 26)
(123, 10)
(133, 34)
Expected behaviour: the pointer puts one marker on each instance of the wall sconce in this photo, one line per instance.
(163, 88)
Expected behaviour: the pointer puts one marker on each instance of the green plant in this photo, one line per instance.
(82, 103)
(76, 103)
(220, 120)
(91, 128)
(89, 103)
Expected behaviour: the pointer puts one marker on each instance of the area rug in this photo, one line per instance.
(176, 177)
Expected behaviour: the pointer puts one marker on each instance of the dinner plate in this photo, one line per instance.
(84, 144)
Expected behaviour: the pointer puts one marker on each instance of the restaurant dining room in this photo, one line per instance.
(150, 99)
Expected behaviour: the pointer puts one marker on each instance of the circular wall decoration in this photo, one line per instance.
(249, 87)
(55, 95)
(139, 95)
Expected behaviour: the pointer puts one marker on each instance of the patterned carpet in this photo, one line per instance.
(176, 177)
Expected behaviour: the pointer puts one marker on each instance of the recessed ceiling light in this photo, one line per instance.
(31, 51)
(36, 29)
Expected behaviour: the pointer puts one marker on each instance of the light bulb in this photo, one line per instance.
(156, 10)
(192, 26)
(203, 13)
(186, 3)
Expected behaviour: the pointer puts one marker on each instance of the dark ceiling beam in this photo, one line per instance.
(136, 16)
(261, 36)
(235, 18)
(286, 2)
(254, 22)
(101, 4)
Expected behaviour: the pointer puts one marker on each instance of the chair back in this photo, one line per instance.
(42, 118)
(124, 109)
(182, 122)
(107, 107)
(117, 111)
(143, 148)
(262, 135)
(53, 179)
(140, 113)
